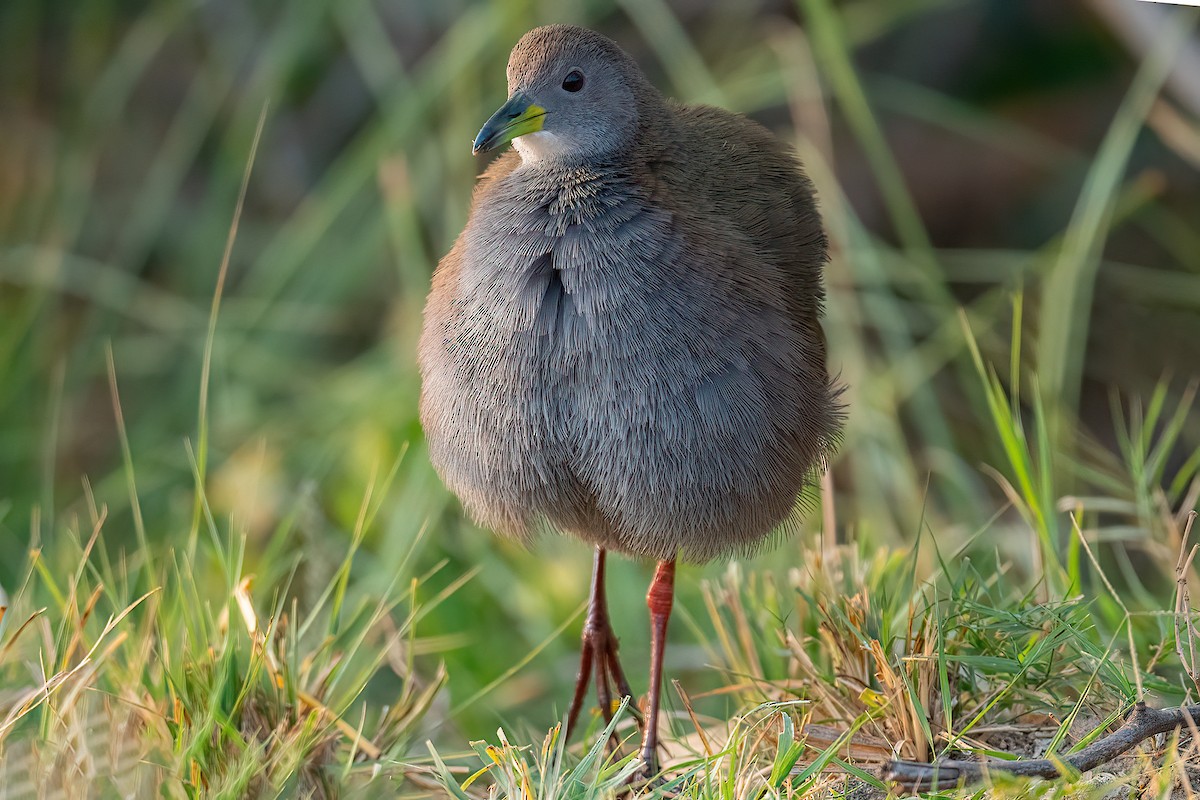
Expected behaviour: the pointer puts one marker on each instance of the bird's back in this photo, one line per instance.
(760, 190)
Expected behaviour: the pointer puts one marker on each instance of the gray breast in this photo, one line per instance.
(606, 376)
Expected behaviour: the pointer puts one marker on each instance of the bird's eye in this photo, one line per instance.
(574, 81)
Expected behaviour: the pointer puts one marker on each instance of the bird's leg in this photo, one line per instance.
(598, 652)
(658, 600)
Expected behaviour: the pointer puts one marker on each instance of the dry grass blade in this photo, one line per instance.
(1178, 133)
(12, 640)
(41, 694)
(354, 735)
(77, 635)
(1185, 629)
(691, 712)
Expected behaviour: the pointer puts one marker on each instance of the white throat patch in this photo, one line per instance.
(536, 146)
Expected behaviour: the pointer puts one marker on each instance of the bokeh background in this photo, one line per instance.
(983, 155)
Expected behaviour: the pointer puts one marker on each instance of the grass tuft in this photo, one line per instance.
(201, 691)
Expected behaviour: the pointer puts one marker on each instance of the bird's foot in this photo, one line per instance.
(650, 772)
(650, 781)
(598, 655)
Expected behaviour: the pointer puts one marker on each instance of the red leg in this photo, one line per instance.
(581, 684)
(658, 600)
(598, 653)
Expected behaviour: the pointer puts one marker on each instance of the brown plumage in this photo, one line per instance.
(625, 341)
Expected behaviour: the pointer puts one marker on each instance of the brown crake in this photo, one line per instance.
(625, 339)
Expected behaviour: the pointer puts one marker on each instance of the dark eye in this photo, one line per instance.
(574, 81)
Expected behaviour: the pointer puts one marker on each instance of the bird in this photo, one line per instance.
(624, 343)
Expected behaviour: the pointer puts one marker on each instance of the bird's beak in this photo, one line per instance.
(515, 118)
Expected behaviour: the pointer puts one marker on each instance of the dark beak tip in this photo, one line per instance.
(481, 144)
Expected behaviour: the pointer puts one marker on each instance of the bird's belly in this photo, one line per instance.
(625, 429)
(592, 378)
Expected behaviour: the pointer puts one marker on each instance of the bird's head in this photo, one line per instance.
(574, 96)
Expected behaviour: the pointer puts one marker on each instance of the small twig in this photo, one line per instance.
(1142, 723)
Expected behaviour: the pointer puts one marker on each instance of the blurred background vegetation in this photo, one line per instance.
(982, 154)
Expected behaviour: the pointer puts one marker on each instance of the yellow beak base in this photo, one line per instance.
(515, 118)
